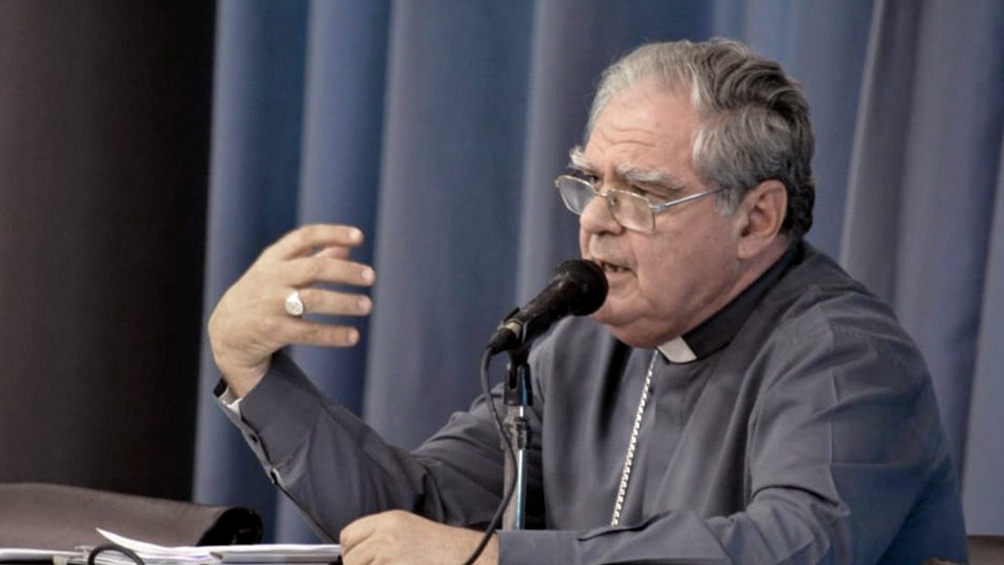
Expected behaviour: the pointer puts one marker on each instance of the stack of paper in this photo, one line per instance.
(23, 555)
(152, 554)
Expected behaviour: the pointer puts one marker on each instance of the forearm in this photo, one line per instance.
(766, 533)
(336, 468)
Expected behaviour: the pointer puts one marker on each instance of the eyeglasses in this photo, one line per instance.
(631, 210)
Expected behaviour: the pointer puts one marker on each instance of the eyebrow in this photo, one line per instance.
(648, 177)
(577, 160)
(632, 174)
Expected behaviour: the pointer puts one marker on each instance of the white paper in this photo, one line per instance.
(253, 553)
(23, 555)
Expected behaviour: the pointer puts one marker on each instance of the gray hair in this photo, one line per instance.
(754, 119)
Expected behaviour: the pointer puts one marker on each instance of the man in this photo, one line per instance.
(737, 397)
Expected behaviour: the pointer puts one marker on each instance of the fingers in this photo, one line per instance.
(310, 332)
(322, 301)
(397, 536)
(250, 322)
(377, 538)
(308, 240)
(335, 252)
(318, 268)
(360, 529)
(317, 253)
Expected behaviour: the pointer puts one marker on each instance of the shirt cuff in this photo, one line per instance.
(231, 401)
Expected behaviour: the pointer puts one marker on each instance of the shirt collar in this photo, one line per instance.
(676, 350)
(718, 330)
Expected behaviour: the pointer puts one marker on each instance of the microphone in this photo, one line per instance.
(578, 288)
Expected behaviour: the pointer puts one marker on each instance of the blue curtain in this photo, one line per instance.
(924, 215)
(437, 126)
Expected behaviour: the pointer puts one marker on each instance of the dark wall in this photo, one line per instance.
(104, 151)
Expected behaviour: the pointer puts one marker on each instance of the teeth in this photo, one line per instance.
(612, 268)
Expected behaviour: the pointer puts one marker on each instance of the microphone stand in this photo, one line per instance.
(518, 397)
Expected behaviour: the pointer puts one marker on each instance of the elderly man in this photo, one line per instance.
(736, 398)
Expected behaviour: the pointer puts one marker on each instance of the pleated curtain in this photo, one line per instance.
(437, 126)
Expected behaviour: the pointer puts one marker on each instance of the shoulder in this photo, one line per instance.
(817, 298)
(819, 317)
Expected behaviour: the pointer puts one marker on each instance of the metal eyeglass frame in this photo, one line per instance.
(576, 188)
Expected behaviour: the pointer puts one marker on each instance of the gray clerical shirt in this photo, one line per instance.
(805, 431)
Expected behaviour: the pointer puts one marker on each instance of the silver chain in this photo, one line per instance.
(615, 519)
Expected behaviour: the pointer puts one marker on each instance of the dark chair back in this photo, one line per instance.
(986, 550)
(60, 517)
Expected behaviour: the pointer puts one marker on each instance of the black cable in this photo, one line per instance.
(500, 428)
(113, 547)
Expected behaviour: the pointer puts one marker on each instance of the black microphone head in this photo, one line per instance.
(578, 288)
(590, 282)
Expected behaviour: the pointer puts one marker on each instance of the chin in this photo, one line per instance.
(604, 314)
(635, 331)
(635, 338)
(623, 330)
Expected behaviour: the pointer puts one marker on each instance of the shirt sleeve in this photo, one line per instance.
(336, 469)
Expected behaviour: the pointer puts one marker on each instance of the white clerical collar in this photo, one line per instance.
(677, 351)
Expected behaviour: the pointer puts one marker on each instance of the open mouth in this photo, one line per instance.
(611, 268)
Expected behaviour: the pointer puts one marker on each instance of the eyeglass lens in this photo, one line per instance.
(630, 210)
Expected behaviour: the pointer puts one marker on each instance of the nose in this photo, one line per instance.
(597, 218)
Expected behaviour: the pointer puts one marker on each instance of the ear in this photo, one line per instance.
(760, 216)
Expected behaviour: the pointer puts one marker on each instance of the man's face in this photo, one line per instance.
(665, 283)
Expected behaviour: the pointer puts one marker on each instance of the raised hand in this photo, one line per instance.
(251, 320)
